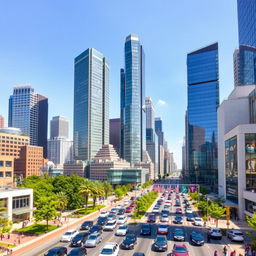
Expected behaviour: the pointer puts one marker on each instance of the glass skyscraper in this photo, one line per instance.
(203, 101)
(132, 102)
(91, 104)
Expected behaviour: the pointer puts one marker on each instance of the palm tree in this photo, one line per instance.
(97, 190)
(107, 188)
(86, 190)
(62, 202)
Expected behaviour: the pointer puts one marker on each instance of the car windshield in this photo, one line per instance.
(180, 249)
(122, 227)
(52, 252)
(216, 230)
(121, 218)
(163, 226)
(79, 236)
(92, 237)
(75, 252)
(197, 219)
(178, 232)
(129, 239)
(110, 224)
(107, 251)
(68, 233)
(160, 239)
(238, 233)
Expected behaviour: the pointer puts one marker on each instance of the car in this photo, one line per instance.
(120, 212)
(179, 250)
(132, 204)
(236, 236)
(129, 242)
(151, 218)
(104, 214)
(196, 238)
(132, 198)
(128, 209)
(178, 220)
(190, 217)
(189, 210)
(102, 221)
(69, 235)
(110, 226)
(113, 211)
(93, 240)
(178, 234)
(160, 201)
(95, 229)
(78, 252)
(162, 229)
(110, 249)
(111, 216)
(119, 206)
(160, 244)
(79, 239)
(198, 222)
(168, 202)
(139, 254)
(126, 202)
(155, 209)
(145, 230)
(57, 251)
(178, 211)
(121, 230)
(121, 220)
(215, 233)
(86, 225)
(177, 202)
(164, 217)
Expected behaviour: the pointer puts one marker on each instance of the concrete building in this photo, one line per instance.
(1, 122)
(11, 140)
(77, 167)
(105, 159)
(59, 127)
(6, 170)
(150, 113)
(147, 164)
(115, 134)
(30, 162)
(17, 203)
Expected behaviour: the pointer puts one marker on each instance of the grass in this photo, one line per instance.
(36, 229)
(82, 212)
(7, 245)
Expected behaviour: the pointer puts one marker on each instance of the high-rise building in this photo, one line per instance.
(247, 22)
(159, 130)
(59, 127)
(203, 102)
(91, 104)
(133, 101)
(1, 122)
(115, 134)
(29, 112)
(150, 113)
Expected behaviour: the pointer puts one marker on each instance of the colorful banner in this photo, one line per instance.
(184, 189)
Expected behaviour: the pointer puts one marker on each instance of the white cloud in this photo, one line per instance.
(180, 142)
(161, 103)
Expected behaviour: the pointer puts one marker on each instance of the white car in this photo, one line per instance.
(69, 235)
(189, 210)
(104, 214)
(110, 226)
(122, 230)
(155, 210)
(215, 233)
(164, 217)
(236, 235)
(126, 202)
(198, 222)
(121, 219)
(110, 249)
(119, 206)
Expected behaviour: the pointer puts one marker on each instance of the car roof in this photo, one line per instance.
(71, 230)
(110, 245)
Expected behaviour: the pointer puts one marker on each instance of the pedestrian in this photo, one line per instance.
(225, 251)
(233, 253)
(8, 236)
(215, 253)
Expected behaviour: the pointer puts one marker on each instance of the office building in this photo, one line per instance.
(29, 112)
(203, 101)
(1, 122)
(105, 159)
(133, 140)
(77, 167)
(115, 134)
(150, 113)
(6, 170)
(91, 104)
(59, 127)
(159, 130)
(11, 140)
(29, 163)
(148, 165)
(246, 10)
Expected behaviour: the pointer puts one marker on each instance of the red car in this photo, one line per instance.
(178, 210)
(151, 218)
(128, 209)
(132, 205)
(162, 229)
(180, 250)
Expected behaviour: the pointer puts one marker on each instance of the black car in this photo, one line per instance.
(196, 238)
(178, 234)
(178, 220)
(190, 217)
(86, 225)
(57, 251)
(160, 244)
(129, 242)
(78, 252)
(177, 202)
(138, 254)
(151, 218)
(95, 229)
(79, 240)
(102, 221)
(120, 212)
(145, 230)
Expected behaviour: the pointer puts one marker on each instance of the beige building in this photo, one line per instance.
(1, 122)
(147, 164)
(6, 170)
(106, 158)
(75, 167)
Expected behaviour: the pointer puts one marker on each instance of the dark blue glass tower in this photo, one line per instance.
(203, 101)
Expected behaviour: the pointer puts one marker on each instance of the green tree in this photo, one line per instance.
(107, 189)
(252, 221)
(204, 190)
(216, 211)
(62, 202)
(219, 200)
(96, 191)
(86, 190)
(5, 225)
(202, 206)
(46, 209)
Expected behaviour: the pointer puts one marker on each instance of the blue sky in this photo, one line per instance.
(40, 39)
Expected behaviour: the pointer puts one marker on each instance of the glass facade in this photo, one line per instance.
(132, 101)
(231, 170)
(91, 104)
(250, 206)
(252, 106)
(247, 22)
(203, 101)
(124, 176)
(250, 158)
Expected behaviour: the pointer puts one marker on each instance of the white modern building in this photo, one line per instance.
(59, 127)
(17, 203)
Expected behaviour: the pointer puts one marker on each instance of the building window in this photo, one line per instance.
(20, 202)
(1, 163)
(8, 174)
(8, 163)
(1, 174)
(250, 206)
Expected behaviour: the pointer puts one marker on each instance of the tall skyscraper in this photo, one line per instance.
(91, 104)
(246, 10)
(115, 134)
(133, 101)
(59, 127)
(159, 130)
(1, 122)
(150, 113)
(203, 101)
(29, 112)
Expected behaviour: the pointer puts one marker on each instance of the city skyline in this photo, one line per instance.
(169, 78)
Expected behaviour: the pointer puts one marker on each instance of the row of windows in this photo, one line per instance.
(20, 202)
(5, 174)
(5, 163)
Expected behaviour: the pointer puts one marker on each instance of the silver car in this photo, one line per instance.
(236, 235)
(93, 240)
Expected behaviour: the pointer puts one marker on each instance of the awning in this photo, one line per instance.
(21, 211)
(229, 203)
